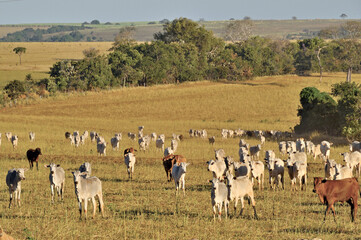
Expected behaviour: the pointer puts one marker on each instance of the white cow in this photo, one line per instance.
(330, 169)
(159, 143)
(101, 146)
(129, 161)
(178, 174)
(168, 151)
(257, 173)
(343, 172)
(239, 188)
(8, 136)
(57, 180)
(276, 172)
(282, 146)
(353, 161)
(220, 154)
(88, 188)
(174, 145)
(218, 168)
(114, 141)
(254, 151)
(326, 148)
(32, 136)
(13, 181)
(355, 146)
(153, 136)
(219, 197)
(300, 145)
(14, 141)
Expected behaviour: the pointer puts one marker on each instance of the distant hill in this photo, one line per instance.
(275, 29)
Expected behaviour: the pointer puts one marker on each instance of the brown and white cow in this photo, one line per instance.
(169, 161)
(332, 191)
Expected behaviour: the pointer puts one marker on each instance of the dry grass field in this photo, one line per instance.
(147, 208)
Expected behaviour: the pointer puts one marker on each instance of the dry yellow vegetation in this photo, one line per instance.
(146, 208)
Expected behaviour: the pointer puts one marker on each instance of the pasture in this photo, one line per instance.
(147, 208)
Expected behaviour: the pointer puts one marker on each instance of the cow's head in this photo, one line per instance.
(316, 182)
(52, 167)
(21, 173)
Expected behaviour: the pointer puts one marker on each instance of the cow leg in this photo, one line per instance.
(334, 212)
(353, 206)
(214, 212)
(94, 206)
(62, 190)
(30, 165)
(226, 209)
(52, 192)
(219, 211)
(18, 193)
(37, 166)
(80, 201)
(11, 197)
(85, 208)
(183, 187)
(242, 205)
(101, 203)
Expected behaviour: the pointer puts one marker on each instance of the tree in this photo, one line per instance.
(19, 51)
(239, 30)
(14, 89)
(343, 15)
(95, 22)
(351, 29)
(125, 36)
(330, 33)
(90, 53)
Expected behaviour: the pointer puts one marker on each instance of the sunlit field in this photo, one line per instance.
(147, 208)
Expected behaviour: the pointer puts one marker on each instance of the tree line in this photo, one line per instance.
(186, 51)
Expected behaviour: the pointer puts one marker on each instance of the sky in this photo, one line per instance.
(76, 11)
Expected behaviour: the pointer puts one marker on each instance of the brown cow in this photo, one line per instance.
(169, 161)
(331, 191)
(33, 156)
(129, 150)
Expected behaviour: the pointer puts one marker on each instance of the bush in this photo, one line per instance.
(14, 89)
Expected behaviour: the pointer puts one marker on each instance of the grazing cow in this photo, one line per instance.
(330, 168)
(174, 145)
(168, 151)
(129, 150)
(14, 141)
(132, 136)
(343, 172)
(33, 156)
(179, 173)
(212, 140)
(218, 168)
(57, 180)
(257, 172)
(355, 146)
(153, 136)
(13, 181)
(270, 154)
(238, 188)
(32, 136)
(332, 191)
(276, 172)
(317, 151)
(88, 188)
(169, 161)
(230, 133)
(353, 161)
(114, 141)
(4, 236)
(8, 136)
(93, 136)
(86, 167)
(219, 197)
(76, 137)
(282, 146)
(254, 152)
(220, 154)
(129, 161)
(297, 170)
(159, 143)
(310, 147)
(101, 146)
(326, 148)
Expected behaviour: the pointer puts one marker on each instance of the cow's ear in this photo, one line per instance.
(58, 165)
(210, 181)
(46, 165)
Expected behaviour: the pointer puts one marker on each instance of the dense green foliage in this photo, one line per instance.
(319, 112)
(31, 35)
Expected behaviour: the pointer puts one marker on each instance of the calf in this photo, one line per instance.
(57, 180)
(88, 188)
(238, 188)
(33, 156)
(332, 191)
(219, 196)
(330, 168)
(13, 181)
(179, 173)
(31, 136)
(212, 140)
(254, 151)
(169, 161)
(129, 161)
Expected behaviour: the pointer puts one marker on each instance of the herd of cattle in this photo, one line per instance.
(232, 180)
